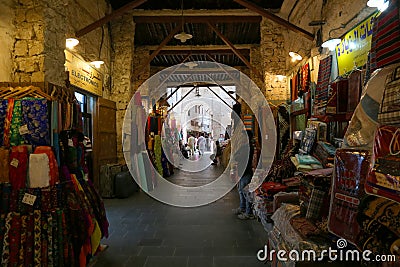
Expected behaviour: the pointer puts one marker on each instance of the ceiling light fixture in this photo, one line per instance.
(191, 64)
(295, 56)
(382, 5)
(280, 78)
(183, 36)
(97, 63)
(71, 42)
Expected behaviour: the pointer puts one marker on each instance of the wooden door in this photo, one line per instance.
(105, 136)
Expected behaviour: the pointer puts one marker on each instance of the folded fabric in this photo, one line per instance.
(304, 227)
(4, 165)
(39, 170)
(307, 160)
(316, 203)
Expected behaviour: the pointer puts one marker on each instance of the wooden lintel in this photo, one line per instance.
(197, 47)
(265, 13)
(109, 17)
(193, 12)
(198, 19)
(202, 52)
(155, 52)
(237, 53)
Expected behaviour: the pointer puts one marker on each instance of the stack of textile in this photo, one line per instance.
(306, 163)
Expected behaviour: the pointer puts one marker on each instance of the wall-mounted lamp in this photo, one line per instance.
(97, 63)
(280, 78)
(331, 43)
(71, 42)
(382, 5)
(295, 56)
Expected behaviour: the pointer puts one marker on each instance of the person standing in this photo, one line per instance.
(201, 143)
(191, 144)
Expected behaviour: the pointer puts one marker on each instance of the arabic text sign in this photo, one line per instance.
(83, 75)
(354, 47)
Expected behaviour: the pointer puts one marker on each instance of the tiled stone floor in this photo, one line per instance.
(145, 232)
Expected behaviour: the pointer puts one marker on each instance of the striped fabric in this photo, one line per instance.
(386, 37)
(390, 107)
(248, 122)
(321, 96)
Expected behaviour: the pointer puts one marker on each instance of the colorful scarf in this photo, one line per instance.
(35, 116)
(16, 123)
(4, 165)
(7, 122)
(3, 115)
(18, 171)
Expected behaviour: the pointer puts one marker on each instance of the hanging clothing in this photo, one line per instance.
(16, 123)
(18, 167)
(3, 115)
(35, 116)
(39, 171)
(4, 165)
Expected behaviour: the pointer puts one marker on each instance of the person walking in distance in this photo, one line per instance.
(202, 144)
(191, 144)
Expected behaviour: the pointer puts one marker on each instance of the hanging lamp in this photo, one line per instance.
(183, 36)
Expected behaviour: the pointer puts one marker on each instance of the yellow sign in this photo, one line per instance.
(83, 75)
(354, 47)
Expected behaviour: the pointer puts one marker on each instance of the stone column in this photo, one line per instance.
(273, 54)
(123, 34)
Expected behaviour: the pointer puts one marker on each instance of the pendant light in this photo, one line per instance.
(183, 36)
(382, 5)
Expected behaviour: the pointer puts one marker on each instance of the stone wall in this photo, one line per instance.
(41, 30)
(123, 33)
(7, 32)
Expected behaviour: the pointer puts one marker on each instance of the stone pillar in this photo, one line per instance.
(123, 34)
(140, 57)
(28, 50)
(273, 54)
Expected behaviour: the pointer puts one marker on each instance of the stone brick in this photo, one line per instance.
(24, 31)
(21, 48)
(36, 48)
(38, 32)
(20, 15)
(34, 15)
(37, 76)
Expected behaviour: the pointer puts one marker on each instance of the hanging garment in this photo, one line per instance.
(35, 116)
(3, 115)
(389, 113)
(7, 123)
(15, 239)
(54, 177)
(5, 257)
(4, 165)
(16, 123)
(39, 171)
(386, 37)
(18, 167)
(305, 78)
(354, 90)
(321, 94)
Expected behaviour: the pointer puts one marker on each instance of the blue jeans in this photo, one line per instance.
(245, 204)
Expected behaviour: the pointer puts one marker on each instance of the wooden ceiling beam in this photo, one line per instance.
(198, 19)
(198, 47)
(109, 17)
(193, 12)
(203, 52)
(236, 51)
(265, 13)
(155, 52)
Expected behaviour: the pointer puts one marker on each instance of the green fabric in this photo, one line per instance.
(15, 138)
(157, 153)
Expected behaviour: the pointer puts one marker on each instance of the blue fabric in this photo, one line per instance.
(36, 117)
(3, 114)
(245, 204)
(370, 106)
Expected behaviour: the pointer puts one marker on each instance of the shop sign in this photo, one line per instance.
(354, 47)
(83, 75)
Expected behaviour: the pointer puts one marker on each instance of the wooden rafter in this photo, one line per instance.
(265, 13)
(236, 51)
(198, 19)
(155, 52)
(109, 17)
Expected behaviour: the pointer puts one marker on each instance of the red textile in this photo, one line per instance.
(7, 122)
(18, 172)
